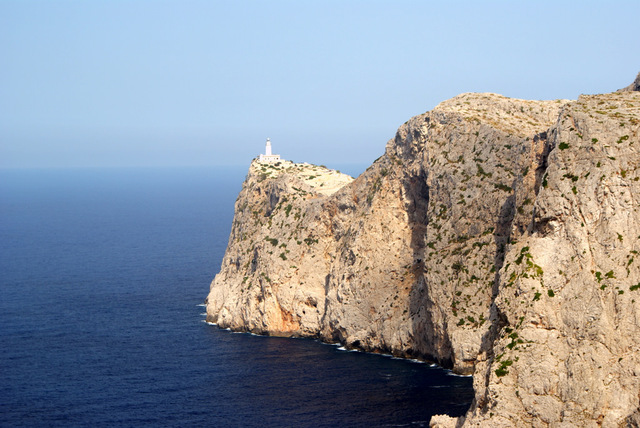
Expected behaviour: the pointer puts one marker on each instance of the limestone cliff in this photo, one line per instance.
(495, 236)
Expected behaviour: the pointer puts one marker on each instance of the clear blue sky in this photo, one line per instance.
(127, 83)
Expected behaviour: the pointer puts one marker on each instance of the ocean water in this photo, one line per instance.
(102, 277)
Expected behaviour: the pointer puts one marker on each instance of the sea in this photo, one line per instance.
(103, 274)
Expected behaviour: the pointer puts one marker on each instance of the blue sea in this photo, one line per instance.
(103, 273)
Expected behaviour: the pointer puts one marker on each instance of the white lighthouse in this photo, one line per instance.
(268, 156)
(267, 149)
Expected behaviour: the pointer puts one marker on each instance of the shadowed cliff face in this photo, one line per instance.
(468, 169)
(495, 236)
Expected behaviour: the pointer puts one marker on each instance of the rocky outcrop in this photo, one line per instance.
(564, 349)
(635, 86)
(495, 236)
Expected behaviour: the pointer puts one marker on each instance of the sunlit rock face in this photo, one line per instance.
(495, 236)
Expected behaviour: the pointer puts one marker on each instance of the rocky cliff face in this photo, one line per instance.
(495, 236)
(634, 86)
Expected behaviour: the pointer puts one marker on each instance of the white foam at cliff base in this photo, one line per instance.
(450, 373)
(202, 305)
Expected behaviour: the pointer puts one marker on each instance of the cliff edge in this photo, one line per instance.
(495, 236)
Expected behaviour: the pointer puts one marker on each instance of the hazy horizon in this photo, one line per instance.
(197, 83)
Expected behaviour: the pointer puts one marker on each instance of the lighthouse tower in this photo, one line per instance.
(268, 156)
(267, 149)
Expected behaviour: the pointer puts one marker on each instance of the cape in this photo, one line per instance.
(495, 236)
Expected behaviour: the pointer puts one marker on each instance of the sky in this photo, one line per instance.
(205, 82)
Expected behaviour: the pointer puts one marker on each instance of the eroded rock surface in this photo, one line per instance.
(565, 348)
(495, 236)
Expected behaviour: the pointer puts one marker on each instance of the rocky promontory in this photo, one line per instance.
(498, 237)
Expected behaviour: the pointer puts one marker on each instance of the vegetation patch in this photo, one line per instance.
(273, 241)
(503, 369)
(514, 340)
(623, 138)
(310, 241)
(482, 173)
(503, 187)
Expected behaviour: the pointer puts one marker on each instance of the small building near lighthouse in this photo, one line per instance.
(268, 156)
